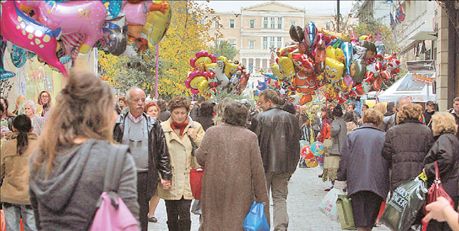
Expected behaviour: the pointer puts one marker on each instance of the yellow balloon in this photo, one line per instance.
(286, 67)
(333, 69)
(339, 55)
(230, 69)
(276, 70)
(202, 62)
(200, 83)
(330, 52)
(157, 23)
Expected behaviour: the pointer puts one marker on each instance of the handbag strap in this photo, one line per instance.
(113, 171)
(437, 175)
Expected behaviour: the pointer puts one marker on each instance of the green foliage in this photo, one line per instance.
(224, 48)
(371, 27)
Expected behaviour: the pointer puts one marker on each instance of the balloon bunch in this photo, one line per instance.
(211, 75)
(57, 31)
(331, 64)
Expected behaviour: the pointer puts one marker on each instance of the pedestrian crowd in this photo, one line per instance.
(53, 173)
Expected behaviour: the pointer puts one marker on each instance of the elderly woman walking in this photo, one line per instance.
(233, 167)
(445, 151)
(407, 144)
(180, 132)
(365, 170)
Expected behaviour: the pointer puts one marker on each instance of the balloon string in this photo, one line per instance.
(156, 71)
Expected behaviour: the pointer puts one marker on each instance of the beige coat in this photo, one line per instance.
(14, 170)
(181, 161)
(233, 177)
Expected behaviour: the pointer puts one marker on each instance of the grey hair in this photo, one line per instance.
(32, 105)
(128, 92)
(403, 98)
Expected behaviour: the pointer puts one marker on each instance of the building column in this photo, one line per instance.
(442, 60)
(259, 64)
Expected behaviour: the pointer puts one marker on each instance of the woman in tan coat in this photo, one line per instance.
(14, 175)
(179, 130)
(234, 175)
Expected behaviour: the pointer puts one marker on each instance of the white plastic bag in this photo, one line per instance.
(328, 204)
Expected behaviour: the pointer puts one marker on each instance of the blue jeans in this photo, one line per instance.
(13, 213)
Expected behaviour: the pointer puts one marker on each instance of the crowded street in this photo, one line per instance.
(191, 115)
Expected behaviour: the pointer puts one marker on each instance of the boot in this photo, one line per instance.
(184, 225)
(173, 225)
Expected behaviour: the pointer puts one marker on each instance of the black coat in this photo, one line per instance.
(158, 154)
(279, 138)
(405, 147)
(362, 164)
(446, 152)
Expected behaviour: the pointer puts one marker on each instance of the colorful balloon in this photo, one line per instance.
(286, 67)
(113, 7)
(348, 52)
(85, 17)
(157, 22)
(18, 56)
(310, 33)
(333, 69)
(23, 31)
(358, 70)
(115, 39)
(198, 82)
(219, 70)
(4, 74)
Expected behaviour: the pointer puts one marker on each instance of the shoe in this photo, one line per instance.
(152, 219)
(320, 176)
(328, 189)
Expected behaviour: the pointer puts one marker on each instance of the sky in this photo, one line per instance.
(311, 7)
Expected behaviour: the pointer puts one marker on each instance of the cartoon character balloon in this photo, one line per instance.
(23, 31)
(157, 22)
(85, 17)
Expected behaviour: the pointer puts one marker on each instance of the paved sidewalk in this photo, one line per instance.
(306, 191)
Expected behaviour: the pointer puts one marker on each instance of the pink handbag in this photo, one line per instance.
(112, 214)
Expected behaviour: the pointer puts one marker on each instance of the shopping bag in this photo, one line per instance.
(405, 203)
(328, 204)
(345, 214)
(196, 182)
(256, 218)
(436, 191)
(2, 221)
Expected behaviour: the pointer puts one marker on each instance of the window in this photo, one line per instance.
(252, 23)
(232, 42)
(265, 22)
(279, 23)
(231, 23)
(273, 23)
(251, 44)
(279, 42)
(271, 42)
(265, 43)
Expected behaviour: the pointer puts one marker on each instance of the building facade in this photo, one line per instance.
(257, 30)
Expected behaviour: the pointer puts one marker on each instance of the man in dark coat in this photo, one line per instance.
(278, 136)
(147, 144)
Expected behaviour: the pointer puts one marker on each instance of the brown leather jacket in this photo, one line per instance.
(279, 138)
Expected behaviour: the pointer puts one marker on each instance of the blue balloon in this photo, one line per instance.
(114, 7)
(317, 148)
(18, 56)
(4, 74)
(348, 52)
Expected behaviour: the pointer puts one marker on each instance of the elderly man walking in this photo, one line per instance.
(278, 136)
(147, 144)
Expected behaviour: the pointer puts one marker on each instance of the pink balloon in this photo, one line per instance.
(23, 31)
(136, 14)
(86, 17)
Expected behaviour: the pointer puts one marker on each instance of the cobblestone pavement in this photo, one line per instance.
(306, 191)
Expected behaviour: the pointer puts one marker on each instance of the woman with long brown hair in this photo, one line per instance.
(68, 167)
(44, 99)
(14, 174)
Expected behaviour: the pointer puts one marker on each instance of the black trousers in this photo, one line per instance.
(143, 199)
(178, 214)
